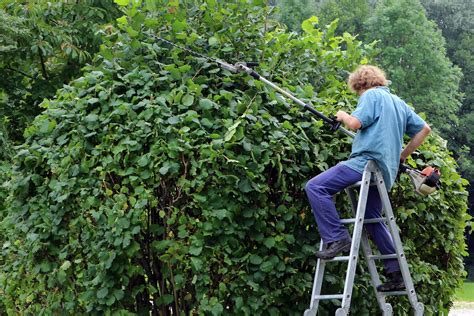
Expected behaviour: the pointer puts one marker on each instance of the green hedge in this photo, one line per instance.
(159, 182)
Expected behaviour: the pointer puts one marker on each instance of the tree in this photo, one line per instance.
(294, 12)
(159, 183)
(454, 18)
(351, 15)
(43, 46)
(414, 55)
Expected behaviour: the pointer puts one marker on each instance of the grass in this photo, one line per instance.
(466, 292)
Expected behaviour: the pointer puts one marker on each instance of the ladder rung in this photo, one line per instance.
(359, 183)
(341, 258)
(329, 297)
(394, 293)
(366, 221)
(376, 257)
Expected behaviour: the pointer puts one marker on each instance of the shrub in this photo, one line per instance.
(158, 182)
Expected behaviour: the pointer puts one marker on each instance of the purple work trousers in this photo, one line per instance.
(320, 190)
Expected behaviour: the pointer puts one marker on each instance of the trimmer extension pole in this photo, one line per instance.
(334, 124)
(244, 67)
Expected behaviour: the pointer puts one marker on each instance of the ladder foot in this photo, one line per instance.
(419, 309)
(309, 312)
(341, 312)
(387, 310)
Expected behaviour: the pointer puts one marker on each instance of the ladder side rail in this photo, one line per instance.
(317, 284)
(367, 250)
(387, 208)
(356, 236)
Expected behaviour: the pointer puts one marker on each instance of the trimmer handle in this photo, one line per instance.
(402, 167)
(251, 63)
(433, 177)
(335, 124)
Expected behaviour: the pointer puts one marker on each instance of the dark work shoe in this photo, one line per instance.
(334, 248)
(394, 283)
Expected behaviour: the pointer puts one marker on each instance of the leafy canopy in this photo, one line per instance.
(158, 182)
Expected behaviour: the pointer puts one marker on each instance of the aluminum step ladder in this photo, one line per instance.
(371, 177)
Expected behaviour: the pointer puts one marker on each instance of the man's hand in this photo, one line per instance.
(348, 120)
(340, 115)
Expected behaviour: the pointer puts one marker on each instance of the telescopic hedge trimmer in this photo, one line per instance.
(424, 182)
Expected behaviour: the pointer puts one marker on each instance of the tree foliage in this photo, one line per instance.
(293, 12)
(413, 52)
(43, 46)
(160, 183)
(351, 15)
(454, 18)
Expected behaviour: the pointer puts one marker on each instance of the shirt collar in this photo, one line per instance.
(383, 88)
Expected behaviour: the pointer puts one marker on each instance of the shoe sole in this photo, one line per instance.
(346, 248)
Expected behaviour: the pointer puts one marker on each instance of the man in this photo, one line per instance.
(381, 119)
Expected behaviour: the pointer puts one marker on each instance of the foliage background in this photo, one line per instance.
(157, 182)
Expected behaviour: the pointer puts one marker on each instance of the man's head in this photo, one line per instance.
(366, 77)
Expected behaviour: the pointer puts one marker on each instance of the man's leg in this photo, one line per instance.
(384, 242)
(320, 190)
(379, 231)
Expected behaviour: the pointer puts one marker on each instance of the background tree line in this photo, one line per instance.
(427, 50)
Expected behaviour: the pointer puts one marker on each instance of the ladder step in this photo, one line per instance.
(329, 297)
(359, 183)
(366, 221)
(376, 257)
(341, 258)
(394, 293)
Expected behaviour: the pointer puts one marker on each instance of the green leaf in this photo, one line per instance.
(213, 41)
(244, 186)
(231, 131)
(255, 259)
(269, 242)
(308, 25)
(174, 120)
(179, 26)
(91, 118)
(206, 104)
(132, 32)
(266, 266)
(143, 161)
(110, 300)
(220, 214)
(122, 20)
(196, 263)
(66, 264)
(122, 2)
(195, 251)
(102, 292)
(187, 100)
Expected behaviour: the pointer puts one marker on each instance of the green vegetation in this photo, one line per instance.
(413, 52)
(466, 292)
(156, 182)
(43, 46)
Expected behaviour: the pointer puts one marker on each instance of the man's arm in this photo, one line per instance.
(415, 142)
(349, 121)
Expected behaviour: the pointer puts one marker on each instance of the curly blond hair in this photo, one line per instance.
(366, 77)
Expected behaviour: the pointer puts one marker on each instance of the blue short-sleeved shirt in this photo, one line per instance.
(385, 118)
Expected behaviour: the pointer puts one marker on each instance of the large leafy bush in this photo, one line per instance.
(159, 182)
